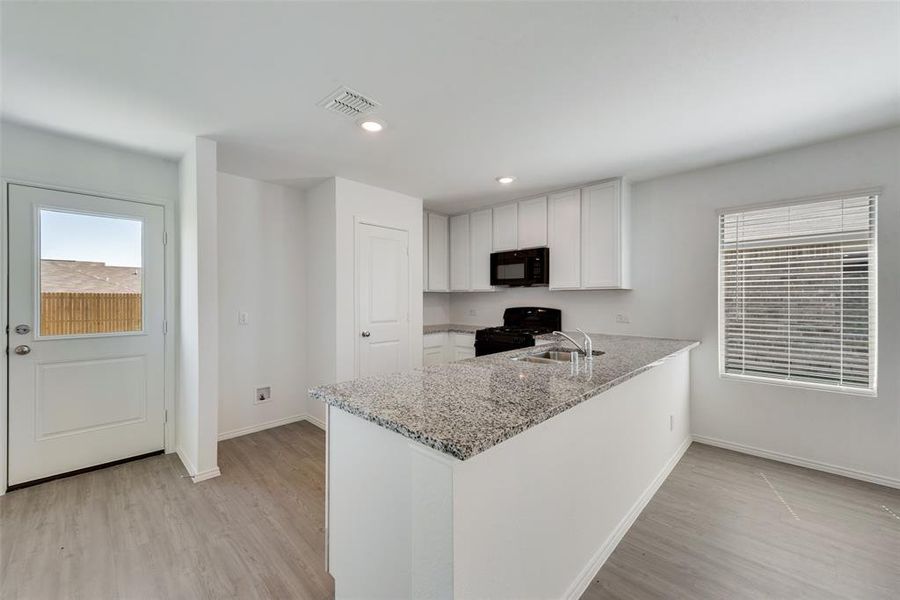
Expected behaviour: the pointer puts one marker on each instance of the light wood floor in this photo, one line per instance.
(723, 525)
(142, 531)
(727, 525)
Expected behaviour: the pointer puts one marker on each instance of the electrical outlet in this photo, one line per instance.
(622, 318)
(473, 312)
(243, 318)
(263, 394)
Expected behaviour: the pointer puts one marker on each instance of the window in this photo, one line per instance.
(90, 274)
(797, 293)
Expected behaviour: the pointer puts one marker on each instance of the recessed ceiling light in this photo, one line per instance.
(506, 179)
(371, 125)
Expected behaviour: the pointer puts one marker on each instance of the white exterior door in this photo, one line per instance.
(382, 288)
(86, 343)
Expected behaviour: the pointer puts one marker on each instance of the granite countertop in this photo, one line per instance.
(452, 327)
(465, 407)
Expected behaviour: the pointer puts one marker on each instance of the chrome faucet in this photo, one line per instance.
(587, 350)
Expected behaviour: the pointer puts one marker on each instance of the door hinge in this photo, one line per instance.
(165, 416)
(165, 327)
(165, 237)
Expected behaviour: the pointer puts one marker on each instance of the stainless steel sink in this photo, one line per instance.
(551, 356)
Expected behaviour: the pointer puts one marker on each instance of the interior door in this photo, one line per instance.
(86, 342)
(382, 288)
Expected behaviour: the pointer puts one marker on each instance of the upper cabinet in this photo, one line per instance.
(589, 237)
(587, 231)
(438, 257)
(532, 223)
(459, 253)
(564, 225)
(605, 236)
(505, 228)
(520, 225)
(480, 247)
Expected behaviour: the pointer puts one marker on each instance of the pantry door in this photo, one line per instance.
(382, 300)
(86, 331)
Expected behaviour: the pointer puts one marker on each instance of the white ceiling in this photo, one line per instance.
(554, 93)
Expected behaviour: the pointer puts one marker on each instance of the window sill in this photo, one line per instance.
(804, 385)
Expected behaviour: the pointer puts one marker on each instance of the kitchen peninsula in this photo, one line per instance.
(497, 477)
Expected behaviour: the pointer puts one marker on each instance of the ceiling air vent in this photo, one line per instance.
(348, 103)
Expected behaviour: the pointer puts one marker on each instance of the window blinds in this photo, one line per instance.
(797, 286)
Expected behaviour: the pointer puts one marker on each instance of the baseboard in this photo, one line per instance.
(196, 476)
(317, 422)
(799, 462)
(227, 435)
(590, 570)
(208, 474)
(188, 465)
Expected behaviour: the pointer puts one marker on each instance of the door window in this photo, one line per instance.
(90, 274)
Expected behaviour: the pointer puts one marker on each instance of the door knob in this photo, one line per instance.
(22, 350)
(23, 329)
(365, 334)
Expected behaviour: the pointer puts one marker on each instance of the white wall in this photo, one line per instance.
(435, 308)
(44, 158)
(321, 288)
(332, 210)
(38, 156)
(197, 403)
(261, 272)
(674, 277)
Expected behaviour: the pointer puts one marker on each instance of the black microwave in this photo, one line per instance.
(521, 267)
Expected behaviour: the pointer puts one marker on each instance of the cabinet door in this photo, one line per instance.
(480, 236)
(459, 253)
(505, 226)
(532, 223)
(425, 251)
(600, 235)
(461, 353)
(565, 240)
(438, 253)
(432, 356)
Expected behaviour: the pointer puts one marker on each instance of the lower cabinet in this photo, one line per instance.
(433, 356)
(447, 347)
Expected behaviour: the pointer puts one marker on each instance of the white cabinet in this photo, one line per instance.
(505, 236)
(445, 347)
(462, 345)
(564, 223)
(589, 237)
(605, 225)
(459, 253)
(520, 225)
(532, 223)
(438, 253)
(480, 247)
(470, 252)
(463, 353)
(432, 356)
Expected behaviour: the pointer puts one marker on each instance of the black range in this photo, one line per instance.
(520, 325)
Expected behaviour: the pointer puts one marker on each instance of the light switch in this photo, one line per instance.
(243, 318)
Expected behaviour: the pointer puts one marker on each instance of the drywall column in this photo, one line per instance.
(332, 211)
(321, 283)
(197, 405)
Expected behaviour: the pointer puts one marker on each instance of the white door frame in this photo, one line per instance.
(169, 209)
(357, 221)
